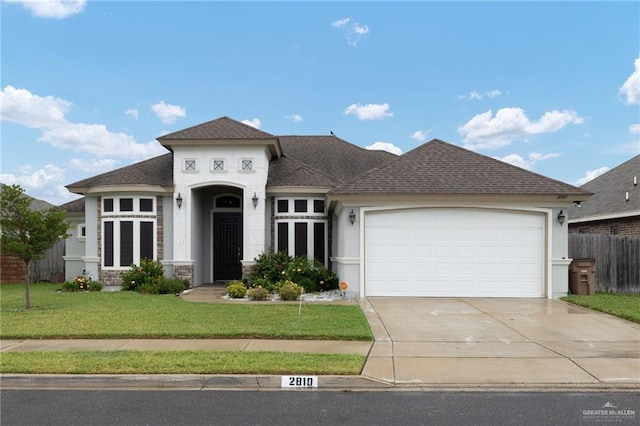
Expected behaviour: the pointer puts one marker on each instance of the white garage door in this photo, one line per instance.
(454, 252)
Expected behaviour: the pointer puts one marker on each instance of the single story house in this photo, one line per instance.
(436, 221)
(614, 207)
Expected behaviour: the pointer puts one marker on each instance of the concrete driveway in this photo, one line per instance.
(499, 341)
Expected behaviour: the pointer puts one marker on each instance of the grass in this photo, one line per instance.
(112, 315)
(179, 362)
(625, 306)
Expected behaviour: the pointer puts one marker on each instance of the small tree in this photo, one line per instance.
(26, 233)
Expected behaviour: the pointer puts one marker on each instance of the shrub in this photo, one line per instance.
(271, 268)
(82, 283)
(172, 286)
(258, 293)
(236, 290)
(148, 289)
(149, 273)
(290, 290)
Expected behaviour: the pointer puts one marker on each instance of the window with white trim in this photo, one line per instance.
(129, 231)
(81, 232)
(301, 227)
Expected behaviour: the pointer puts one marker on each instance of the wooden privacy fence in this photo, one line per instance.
(617, 260)
(48, 269)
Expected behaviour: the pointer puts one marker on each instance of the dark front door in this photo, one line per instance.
(227, 246)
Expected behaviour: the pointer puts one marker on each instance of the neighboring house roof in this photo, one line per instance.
(438, 167)
(609, 194)
(73, 206)
(157, 171)
(36, 204)
(220, 128)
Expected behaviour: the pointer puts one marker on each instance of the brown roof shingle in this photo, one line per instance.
(157, 171)
(220, 128)
(437, 167)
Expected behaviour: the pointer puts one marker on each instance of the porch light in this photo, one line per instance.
(179, 200)
(561, 217)
(255, 200)
(352, 217)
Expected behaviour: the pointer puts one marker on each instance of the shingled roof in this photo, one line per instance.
(438, 167)
(220, 128)
(157, 171)
(334, 158)
(609, 193)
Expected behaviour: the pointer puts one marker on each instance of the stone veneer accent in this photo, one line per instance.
(183, 272)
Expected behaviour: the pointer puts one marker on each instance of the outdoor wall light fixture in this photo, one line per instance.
(255, 200)
(352, 217)
(179, 200)
(561, 217)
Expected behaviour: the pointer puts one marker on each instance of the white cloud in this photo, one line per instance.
(384, 146)
(132, 112)
(296, 118)
(592, 174)
(253, 123)
(475, 95)
(58, 9)
(527, 163)
(22, 107)
(96, 140)
(420, 135)
(340, 22)
(48, 115)
(46, 183)
(630, 90)
(168, 113)
(354, 32)
(369, 111)
(94, 165)
(634, 129)
(484, 131)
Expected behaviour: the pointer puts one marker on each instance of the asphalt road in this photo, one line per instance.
(306, 407)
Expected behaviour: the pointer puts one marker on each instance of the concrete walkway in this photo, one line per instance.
(419, 343)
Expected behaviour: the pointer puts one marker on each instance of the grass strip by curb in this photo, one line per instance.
(180, 362)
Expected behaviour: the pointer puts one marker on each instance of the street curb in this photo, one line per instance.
(271, 382)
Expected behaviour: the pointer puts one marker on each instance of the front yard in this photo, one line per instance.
(113, 315)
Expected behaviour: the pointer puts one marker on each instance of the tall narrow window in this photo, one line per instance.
(146, 240)
(318, 241)
(283, 237)
(108, 243)
(126, 243)
(300, 239)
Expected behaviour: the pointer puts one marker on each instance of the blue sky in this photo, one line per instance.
(553, 87)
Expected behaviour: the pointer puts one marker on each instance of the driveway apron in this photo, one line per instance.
(498, 341)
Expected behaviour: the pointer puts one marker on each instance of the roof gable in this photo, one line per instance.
(220, 128)
(437, 167)
(609, 192)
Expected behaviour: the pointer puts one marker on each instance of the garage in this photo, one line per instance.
(454, 252)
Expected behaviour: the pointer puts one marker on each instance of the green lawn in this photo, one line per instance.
(625, 306)
(112, 315)
(180, 362)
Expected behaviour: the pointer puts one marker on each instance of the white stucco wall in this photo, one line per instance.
(191, 221)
